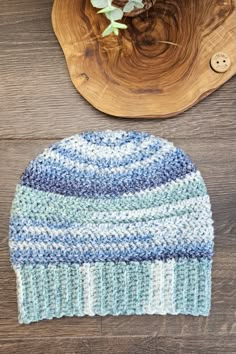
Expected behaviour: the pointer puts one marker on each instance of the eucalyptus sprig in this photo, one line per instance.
(132, 4)
(115, 14)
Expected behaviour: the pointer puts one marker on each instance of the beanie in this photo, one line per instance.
(112, 222)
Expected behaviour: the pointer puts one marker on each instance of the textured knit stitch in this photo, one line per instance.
(111, 222)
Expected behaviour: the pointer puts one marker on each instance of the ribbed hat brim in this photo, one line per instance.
(158, 287)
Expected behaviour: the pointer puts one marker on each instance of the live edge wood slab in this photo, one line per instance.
(137, 74)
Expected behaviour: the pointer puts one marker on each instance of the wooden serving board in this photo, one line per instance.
(136, 75)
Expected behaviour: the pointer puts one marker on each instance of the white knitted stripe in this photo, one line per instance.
(168, 287)
(78, 144)
(66, 162)
(20, 303)
(161, 291)
(88, 285)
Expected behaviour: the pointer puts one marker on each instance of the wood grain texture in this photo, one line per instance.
(39, 106)
(138, 74)
(125, 345)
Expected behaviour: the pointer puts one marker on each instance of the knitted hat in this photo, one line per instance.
(111, 222)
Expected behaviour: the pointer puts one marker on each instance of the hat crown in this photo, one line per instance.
(107, 164)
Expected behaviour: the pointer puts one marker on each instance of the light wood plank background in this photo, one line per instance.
(38, 106)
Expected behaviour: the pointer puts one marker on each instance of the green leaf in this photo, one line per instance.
(100, 3)
(115, 15)
(119, 25)
(116, 31)
(107, 31)
(107, 10)
(132, 4)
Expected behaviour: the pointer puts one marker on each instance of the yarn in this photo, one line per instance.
(111, 222)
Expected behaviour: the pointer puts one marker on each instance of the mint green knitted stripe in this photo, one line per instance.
(26, 306)
(121, 288)
(77, 290)
(132, 276)
(30, 203)
(41, 291)
(193, 286)
(168, 286)
(120, 291)
(204, 287)
(53, 286)
(47, 292)
(107, 289)
(114, 288)
(103, 290)
(143, 287)
(32, 294)
(98, 285)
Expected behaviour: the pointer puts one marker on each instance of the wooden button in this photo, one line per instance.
(220, 62)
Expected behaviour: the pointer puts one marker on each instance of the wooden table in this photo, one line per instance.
(38, 106)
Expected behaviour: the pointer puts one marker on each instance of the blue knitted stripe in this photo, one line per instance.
(54, 177)
(135, 252)
(103, 234)
(113, 138)
(103, 162)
